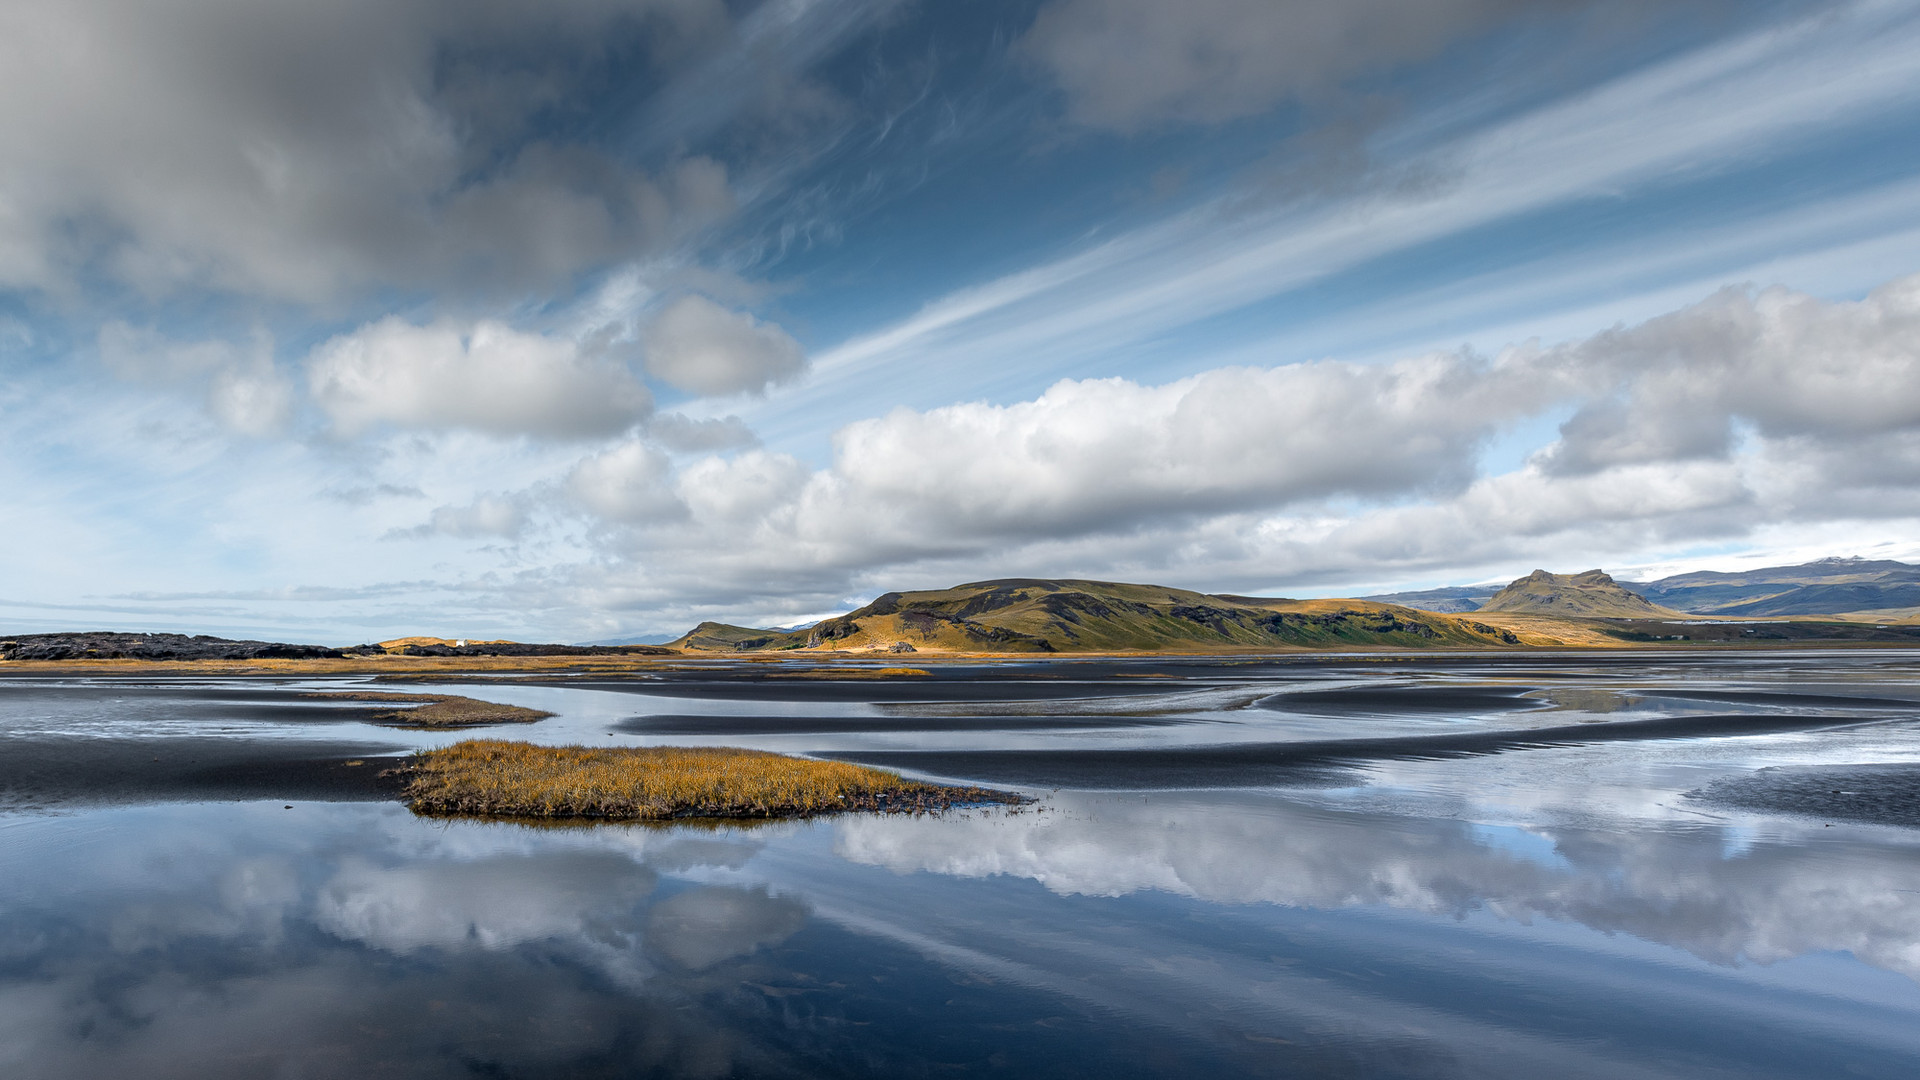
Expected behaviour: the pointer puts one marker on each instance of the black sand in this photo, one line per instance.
(1263, 764)
(49, 772)
(678, 724)
(1400, 700)
(1878, 794)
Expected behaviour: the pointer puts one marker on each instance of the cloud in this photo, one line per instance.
(245, 391)
(677, 431)
(1241, 477)
(485, 517)
(1132, 64)
(1787, 364)
(700, 347)
(629, 483)
(1106, 452)
(487, 377)
(310, 153)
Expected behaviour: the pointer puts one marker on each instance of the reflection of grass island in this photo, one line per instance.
(497, 778)
(439, 710)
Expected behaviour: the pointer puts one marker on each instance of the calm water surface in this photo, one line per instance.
(1570, 866)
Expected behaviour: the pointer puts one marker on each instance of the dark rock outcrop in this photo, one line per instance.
(518, 648)
(111, 646)
(115, 646)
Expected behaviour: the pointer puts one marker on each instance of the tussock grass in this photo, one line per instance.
(862, 673)
(439, 710)
(500, 778)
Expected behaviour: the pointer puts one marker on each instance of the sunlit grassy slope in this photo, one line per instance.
(513, 779)
(1027, 615)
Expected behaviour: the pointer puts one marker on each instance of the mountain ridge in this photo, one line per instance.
(1592, 594)
(1072, 615)
(1832, 586)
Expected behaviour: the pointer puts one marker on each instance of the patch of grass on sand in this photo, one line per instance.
(499, 778)
(440, 710)
(862, 673)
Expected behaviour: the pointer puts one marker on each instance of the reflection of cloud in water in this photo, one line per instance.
(1678, 887)
(701, 927)
(138, 960)
(339, 1015)
(491, 903)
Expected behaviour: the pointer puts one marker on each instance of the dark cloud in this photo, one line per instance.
(1132, 64)
(314, 152)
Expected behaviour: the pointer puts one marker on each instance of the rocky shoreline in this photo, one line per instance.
(108, 645)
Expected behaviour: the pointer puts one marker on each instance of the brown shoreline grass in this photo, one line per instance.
(438, 710)
(500, 778)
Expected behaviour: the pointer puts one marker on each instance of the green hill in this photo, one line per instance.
(1591, 595)
(1040, 616)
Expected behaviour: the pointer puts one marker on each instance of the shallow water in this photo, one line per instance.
(1596, 866)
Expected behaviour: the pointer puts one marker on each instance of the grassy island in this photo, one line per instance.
(499, 778)
(439, 710)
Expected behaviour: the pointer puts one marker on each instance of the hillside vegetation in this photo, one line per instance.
(1041, 616)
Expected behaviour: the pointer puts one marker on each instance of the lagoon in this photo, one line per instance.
(1563, 864)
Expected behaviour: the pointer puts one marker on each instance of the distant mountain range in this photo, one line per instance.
(1825, 587)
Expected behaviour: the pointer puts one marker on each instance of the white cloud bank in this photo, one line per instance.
(1750, 408)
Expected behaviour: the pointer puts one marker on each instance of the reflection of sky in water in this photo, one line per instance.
(1225, 932)
(1565, 911)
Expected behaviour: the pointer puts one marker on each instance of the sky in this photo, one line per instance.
(587, 321)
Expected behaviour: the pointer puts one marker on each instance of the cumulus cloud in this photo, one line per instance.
(308, 152)
(1131, 64)
(1787, 364)
(678, 431)
(700, 347)
(486, 517)
(486, 377)
(629, 483)
(1106, 452)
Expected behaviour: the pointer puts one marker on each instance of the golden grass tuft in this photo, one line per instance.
(862, 673)
(500, 778)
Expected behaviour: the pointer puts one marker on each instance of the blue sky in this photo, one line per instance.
(592, 320)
